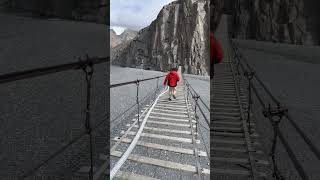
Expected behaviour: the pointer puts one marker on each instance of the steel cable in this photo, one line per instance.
(277, 132)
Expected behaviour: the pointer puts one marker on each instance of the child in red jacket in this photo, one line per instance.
(216, 53)
(171, 80)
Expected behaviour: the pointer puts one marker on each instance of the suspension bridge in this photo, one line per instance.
(237, 150)
(164, 134)
(166, 139)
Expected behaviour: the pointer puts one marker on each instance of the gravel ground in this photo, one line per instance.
(40, 115)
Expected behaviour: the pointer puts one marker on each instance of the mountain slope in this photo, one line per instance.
(127, 35)
(114, 40)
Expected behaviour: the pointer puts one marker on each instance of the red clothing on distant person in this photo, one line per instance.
(216, 53)
(171, 79)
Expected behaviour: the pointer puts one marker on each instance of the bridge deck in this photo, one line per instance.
(168, 143)
(234, 149)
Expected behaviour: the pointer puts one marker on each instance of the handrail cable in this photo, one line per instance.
(270, 113)
(10, 77)
(104, 166)
(134, 82)
(142, 100)
(87, 67)
(54, 69)
(313, 148)
(196, 97)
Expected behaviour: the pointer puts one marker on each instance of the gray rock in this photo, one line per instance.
(177, 36)
(114, 41)
(123, 38)
(127, 35)
(284, 21)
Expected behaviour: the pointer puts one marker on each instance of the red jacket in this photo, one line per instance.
(216, 53)
(172, 78)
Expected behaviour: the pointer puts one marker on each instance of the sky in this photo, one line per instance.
(134, 14)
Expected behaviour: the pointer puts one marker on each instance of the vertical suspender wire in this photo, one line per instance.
(195, 113)
(249, 76)
(157, 88)
(89, 72)
(157, 83)
(138, 102)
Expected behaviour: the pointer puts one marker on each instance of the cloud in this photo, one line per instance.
(135, 14)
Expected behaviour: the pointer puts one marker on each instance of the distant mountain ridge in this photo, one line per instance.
(120, 42)
(125, 36)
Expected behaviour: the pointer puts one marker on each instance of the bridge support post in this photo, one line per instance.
(88, 69)
(137, 83)
(271, 113)
(195, 114)
(249, 76)
(156, 91)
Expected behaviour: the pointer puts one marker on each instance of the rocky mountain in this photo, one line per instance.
(178, 36)
(127, 35)
(285, 21)
(120, 42)
(115, 39)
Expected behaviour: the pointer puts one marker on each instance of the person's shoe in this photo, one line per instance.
(169, 99)
(174, 97)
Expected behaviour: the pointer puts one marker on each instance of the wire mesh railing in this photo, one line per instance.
(137, 82)
(275, 112)
(87, 66)
(138, 100)
(196, 105)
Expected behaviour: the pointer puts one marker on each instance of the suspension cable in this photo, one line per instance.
(276, 130)
(10, 77)
(87, 67)
(133, 82)
(89, 73)
(196, 102)
(206, 106)
(307, 140)
(135, 104)
(196, 97)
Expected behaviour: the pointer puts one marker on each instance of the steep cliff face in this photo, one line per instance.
(282, 21)
(86, 10)
(178, 36)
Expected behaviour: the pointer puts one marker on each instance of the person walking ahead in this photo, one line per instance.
(216, 53)
(171, 80)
